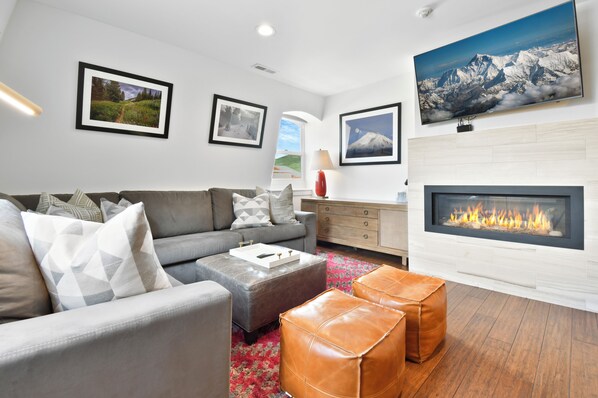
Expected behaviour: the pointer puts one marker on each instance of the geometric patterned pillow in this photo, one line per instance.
(110, 209)
(281, 206)
(85, 263)
(79, 205)
(58, 211)
(251, 212)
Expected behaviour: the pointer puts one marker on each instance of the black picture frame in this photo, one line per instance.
(143, 108)
(380, 142)
(251, 118)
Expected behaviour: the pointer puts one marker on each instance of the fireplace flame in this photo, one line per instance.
(534, 221)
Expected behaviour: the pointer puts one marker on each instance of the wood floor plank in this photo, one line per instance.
(493, 305)
(448, 375)
(455, 296)
(450, 285)
(481, 379)
(552, 375)
(519, 372)
(506, 327)
(480, 293)
(417, 374)
(584, 370)
(585, 326)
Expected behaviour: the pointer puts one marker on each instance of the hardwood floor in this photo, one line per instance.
(499, 345)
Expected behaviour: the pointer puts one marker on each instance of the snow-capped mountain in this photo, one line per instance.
(371, 144)
(489, 83)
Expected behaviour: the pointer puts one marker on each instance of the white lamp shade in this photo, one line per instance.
(321, 160)
(16, 100)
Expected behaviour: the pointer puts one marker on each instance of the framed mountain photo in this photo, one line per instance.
(371, 136)
(120, 102)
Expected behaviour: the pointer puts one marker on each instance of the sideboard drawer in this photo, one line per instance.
(358, 236)
(368, 212)
(348, 221)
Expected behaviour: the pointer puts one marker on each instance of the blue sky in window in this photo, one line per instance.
(289, 136)
(547, 27)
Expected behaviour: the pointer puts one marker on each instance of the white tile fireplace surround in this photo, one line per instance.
(555, 154)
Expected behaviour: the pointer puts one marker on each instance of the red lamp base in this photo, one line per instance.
(321, 184)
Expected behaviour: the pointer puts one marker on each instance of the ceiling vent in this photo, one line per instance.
(263, 68)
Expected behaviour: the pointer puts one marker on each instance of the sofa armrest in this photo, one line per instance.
(309, 220)
(167, 343)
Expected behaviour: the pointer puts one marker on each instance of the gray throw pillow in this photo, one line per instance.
(23, 293)
(12, 200)
(251, 212)
(59, 211)
(85, 263)
(110, 209)
(281, 206)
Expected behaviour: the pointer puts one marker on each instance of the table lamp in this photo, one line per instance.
(16, 100)
(321, 161)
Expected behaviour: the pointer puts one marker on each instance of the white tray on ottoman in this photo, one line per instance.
(250, 253)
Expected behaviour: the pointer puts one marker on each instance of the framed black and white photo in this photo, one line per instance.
(119, 102)
(236, 122)
(371, 136)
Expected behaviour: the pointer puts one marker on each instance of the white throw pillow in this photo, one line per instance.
(85, 263)
(251, 212)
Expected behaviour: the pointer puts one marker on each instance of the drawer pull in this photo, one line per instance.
(327, 208)
(365, 212)
(365, 236)
(365, 223)
(327, 219)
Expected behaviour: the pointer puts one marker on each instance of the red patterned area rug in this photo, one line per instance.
(254, 369)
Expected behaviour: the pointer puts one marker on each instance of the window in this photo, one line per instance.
(288, 161)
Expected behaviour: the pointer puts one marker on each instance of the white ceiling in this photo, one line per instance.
(322, 46)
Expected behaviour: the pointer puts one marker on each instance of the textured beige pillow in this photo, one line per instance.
(23, 293)
(281, 206)
(79, 205)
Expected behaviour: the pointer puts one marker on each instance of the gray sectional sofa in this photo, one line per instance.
(167, 343)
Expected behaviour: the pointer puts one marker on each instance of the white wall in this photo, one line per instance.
(378, 182)
(587, 15)
(6, 8)
(39, 56)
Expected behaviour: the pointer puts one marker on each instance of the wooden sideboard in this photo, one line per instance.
(371, 225)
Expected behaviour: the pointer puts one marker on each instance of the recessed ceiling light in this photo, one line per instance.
(265, 30)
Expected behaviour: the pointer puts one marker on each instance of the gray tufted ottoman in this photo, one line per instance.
(261, 294)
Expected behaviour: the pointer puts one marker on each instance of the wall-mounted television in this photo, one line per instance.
(525, 62)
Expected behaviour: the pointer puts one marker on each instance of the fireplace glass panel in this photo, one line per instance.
(509, 214)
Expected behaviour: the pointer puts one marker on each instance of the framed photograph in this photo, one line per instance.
(236, 122)
(119, 102)
(371, 136)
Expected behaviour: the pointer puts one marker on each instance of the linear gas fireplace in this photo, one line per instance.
(549, 216)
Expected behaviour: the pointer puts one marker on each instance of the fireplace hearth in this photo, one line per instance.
(541, 215)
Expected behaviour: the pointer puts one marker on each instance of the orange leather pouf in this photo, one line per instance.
(336, 345)
(422, 298)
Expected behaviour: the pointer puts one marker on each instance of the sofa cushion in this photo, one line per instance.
(173, 213)
(251, 212)
(222, 205)
(190, 247)
(23, 293)
(281, 205)
(86, 263)
(31, 201)
(273, 234)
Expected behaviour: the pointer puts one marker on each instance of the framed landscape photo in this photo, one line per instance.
(236, 122)
(119, 102)
(371, 136)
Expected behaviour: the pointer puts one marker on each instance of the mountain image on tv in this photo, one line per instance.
(529, 61)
